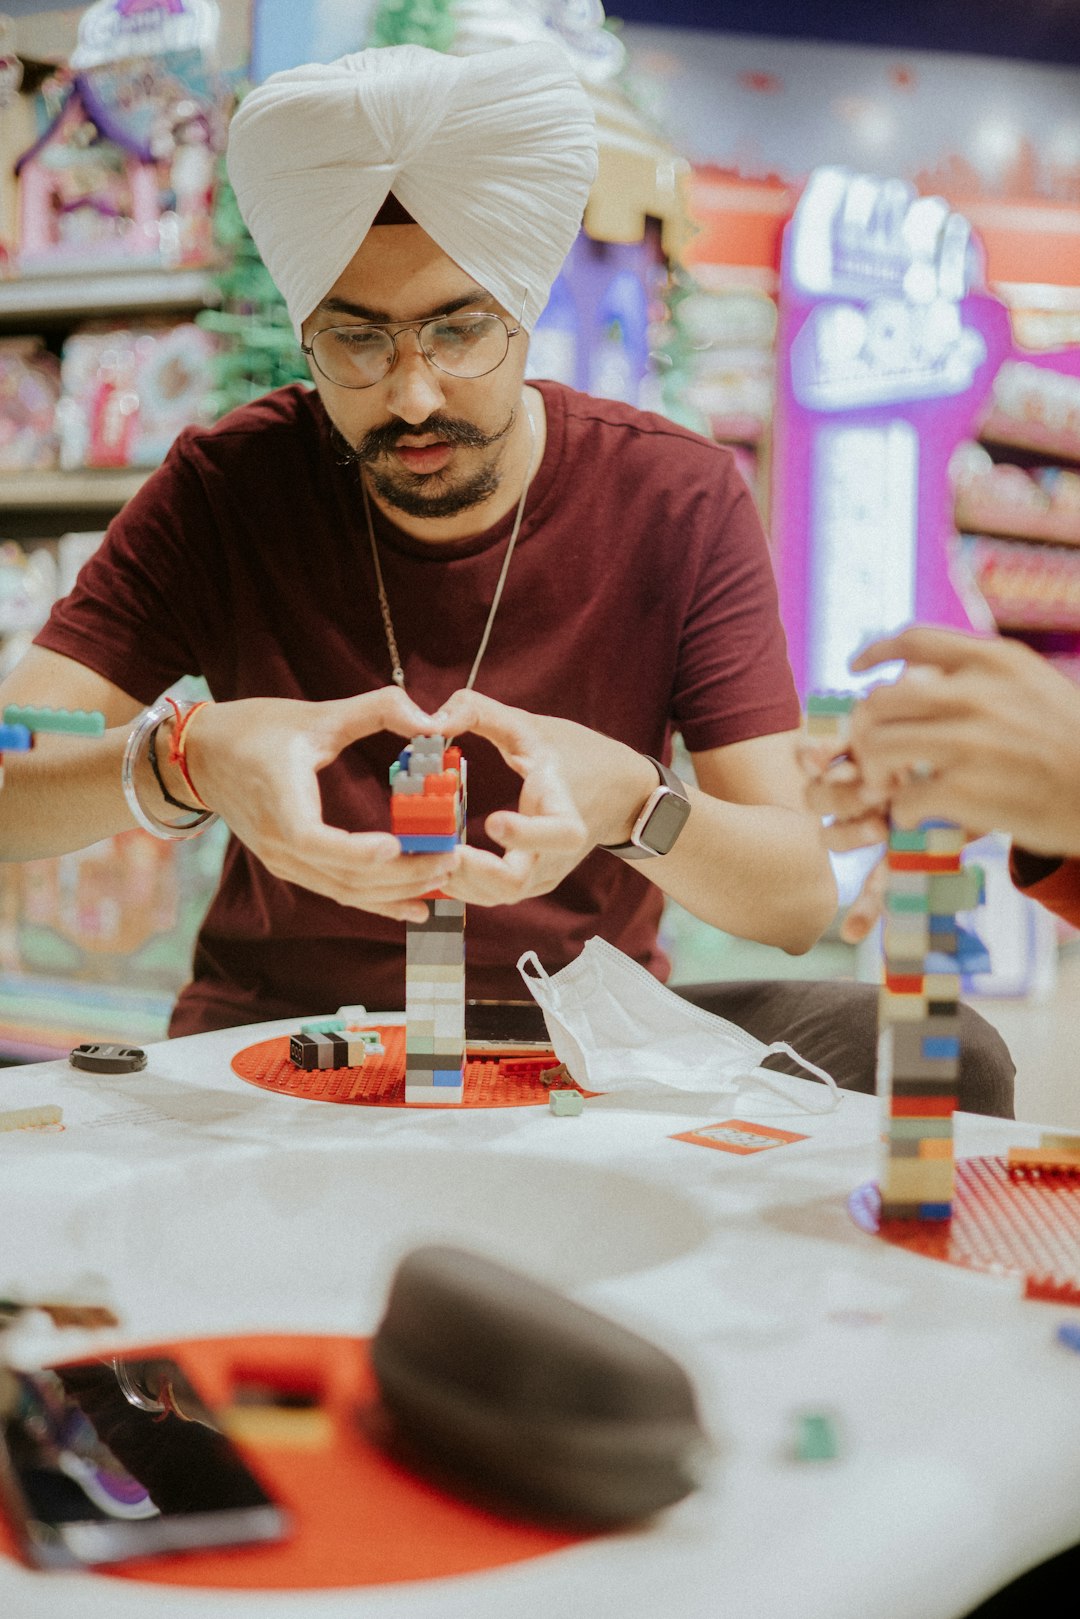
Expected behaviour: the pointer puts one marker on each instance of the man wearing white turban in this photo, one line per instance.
(556, 580)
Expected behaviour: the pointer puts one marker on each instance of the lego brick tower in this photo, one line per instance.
(926, 951)
(427, 813)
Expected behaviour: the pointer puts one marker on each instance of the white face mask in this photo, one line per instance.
(615, 1026)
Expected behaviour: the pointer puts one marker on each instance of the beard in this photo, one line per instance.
(429, 494)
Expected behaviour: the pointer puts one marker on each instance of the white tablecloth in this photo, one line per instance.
(203, 1205)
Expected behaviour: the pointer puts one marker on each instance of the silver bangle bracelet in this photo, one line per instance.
(138, 738)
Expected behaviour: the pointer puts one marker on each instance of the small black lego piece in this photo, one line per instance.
(108, 1059)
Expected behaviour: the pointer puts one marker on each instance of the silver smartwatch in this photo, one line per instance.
(662, 818)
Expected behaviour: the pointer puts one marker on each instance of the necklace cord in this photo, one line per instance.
(397, 673)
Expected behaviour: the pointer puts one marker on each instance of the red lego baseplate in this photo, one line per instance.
(380, 1081)
(1008, 1226)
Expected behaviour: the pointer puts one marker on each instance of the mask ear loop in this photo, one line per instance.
(531, 959)
(774, 1081)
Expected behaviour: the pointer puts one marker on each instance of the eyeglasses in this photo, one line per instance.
(460, 345)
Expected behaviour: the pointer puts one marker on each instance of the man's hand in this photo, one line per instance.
(985, 733)
(550, 832)
(256, 762)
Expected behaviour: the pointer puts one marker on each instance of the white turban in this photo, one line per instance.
(493, 155)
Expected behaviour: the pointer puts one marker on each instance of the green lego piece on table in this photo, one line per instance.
(567, 1104)
(815, 1438)
(69, 721)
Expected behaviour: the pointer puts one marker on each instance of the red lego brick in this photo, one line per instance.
(922, 1107)
(904, 984)
(912, 860)
(423, 814)
(441, 784)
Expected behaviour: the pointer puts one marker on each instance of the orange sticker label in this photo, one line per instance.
(736, 1135)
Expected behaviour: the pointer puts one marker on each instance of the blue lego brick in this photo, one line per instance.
(15, 739)
(446, 1076)
(935, 1211)
(936, 1045)
(971, 953)
(936, 961)
(416, 843)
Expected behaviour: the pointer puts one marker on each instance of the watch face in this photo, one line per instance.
(665, 823)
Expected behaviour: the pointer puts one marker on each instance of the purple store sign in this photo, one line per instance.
(887, 349)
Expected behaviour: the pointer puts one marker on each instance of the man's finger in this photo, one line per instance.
(856, 832)
(510, 729)
(388, 709)
(557, 834)
(946, 649)
(868, 906)
(487, 879)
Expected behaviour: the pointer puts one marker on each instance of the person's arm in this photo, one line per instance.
(749, 859)
(256, 762)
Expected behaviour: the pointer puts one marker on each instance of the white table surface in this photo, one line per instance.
(203, 1205)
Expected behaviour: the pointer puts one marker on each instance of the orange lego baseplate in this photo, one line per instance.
(1005, 1224)
(380, 1081)
(359, 1517)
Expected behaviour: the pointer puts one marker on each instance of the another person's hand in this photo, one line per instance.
(560, 815)
(985, 733)
(835, 787)
(256, 762)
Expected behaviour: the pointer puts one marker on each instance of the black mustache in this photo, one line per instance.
(381, 440)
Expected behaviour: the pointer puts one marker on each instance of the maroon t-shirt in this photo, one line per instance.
(640, 598)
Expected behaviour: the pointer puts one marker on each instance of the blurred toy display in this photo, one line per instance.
(28, 587)
(128, 391)
(123, 164)
(1034, 503)
(1034, 407)
(727, 359)
(29, 393)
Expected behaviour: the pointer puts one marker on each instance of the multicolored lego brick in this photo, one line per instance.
(427, 814)
(333, 1043)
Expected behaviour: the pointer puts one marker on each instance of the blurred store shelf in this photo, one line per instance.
(89, 490)
(104, 292)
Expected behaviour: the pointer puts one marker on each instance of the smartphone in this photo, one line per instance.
(496, 1028)
(105, 1460)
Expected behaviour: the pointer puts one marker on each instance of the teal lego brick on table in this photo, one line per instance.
(67, 721)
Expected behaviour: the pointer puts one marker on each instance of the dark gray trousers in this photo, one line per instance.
(833, 1023)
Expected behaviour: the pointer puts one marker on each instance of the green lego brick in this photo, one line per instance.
(567, 1104)
(830, 702)
(952, 891)
(909, 904)
(323, 1025)
(816, 1439)
(910, 842)
(70, 721)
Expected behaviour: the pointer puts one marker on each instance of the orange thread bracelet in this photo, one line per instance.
(177, 755)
